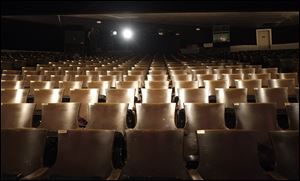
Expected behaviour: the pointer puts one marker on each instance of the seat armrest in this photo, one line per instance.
(115, 174)
(276, 176)
(194, 174)
(37, 174)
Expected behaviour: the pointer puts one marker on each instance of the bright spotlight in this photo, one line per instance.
(115, 33)
(127, 34)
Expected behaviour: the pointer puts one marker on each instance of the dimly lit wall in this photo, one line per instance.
(31, 36)
(19, 35)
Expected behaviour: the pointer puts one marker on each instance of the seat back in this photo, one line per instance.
(228, 155)
(192, 96)
(256, 116)
(121, 96)
(101, 85)
(56, 116)
(144, 162)
(21, 151)
(16, 115)
(204, 116)
(84, 96)
(14, 95)
(272, 95)
(289, 83)
(231, 96)
(156, 84)
(155, 116)
(160, 77)
(40, 85)
(211, 85)
(156, 95)
(129, 85)
(229, 78)
(202, 77)
(292, 110)
(263, 76)
(185, 84)
(286, 146)
(12, 84)
(68, 85)
(110, 116)
(249, 84)
(47, 96)
(84, 153)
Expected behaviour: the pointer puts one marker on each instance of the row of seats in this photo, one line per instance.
(55, 116)
(184, 95)
(265, 77)
(156, 84)
(151, 154)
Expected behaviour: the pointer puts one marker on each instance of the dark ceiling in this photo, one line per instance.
(202, 19)
(100, 7)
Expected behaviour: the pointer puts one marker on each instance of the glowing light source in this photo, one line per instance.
(197, 29)
(99, 22)
(160, 33)
(177, 34)
(127, 33)
(114, 33)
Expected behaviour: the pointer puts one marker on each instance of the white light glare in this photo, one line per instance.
(114, 32)
(160, 33)
(99, 22)
(127, 34)
(197, 29)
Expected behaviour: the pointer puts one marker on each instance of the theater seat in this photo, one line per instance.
(82, 154)
(229, 155)
(14, 95)
(16, 115)
(56, 116)
(164, 162)
(155, 116)
(292, 110)
(21, 152)
(286, 146)
(110, 116)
